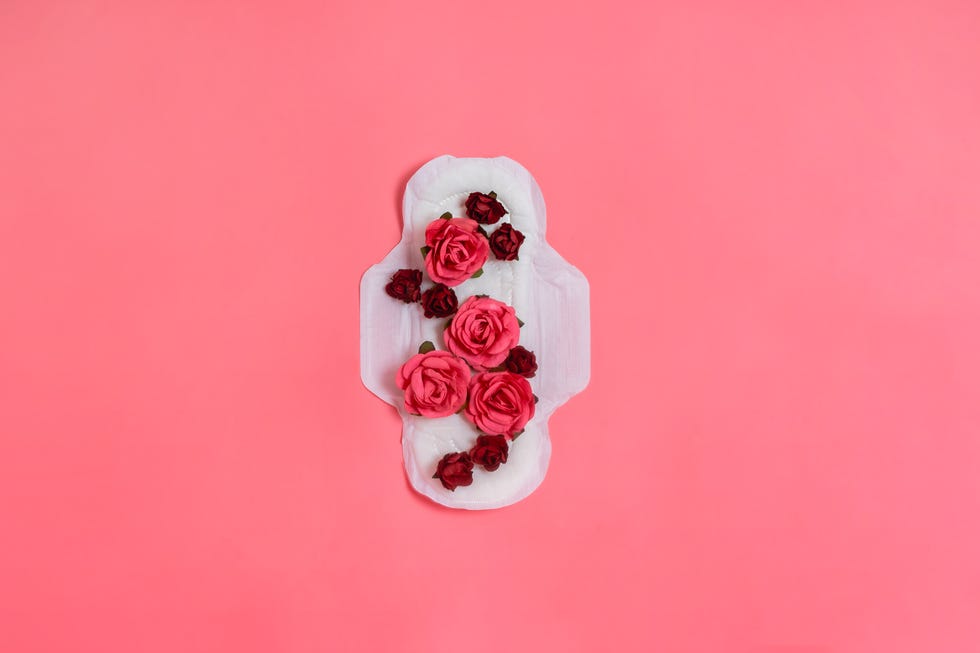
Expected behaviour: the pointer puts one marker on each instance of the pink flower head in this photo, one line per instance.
(434, 384)
(483, 332)
(500, 403)
(457, 250)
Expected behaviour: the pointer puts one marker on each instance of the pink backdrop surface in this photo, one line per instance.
(778, 208)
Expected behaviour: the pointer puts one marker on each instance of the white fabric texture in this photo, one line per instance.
(550, 295)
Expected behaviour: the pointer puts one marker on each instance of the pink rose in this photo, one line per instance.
(500, 403)
(483, 332)
(456, 250)
(434, 384)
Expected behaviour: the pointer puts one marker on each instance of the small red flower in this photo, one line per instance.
(506, 242)
(484, 208)
(405, 285)
(490, 451)
(439, 301)
(521, 361)
(455, 470)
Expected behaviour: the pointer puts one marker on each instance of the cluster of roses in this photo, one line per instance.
(484, 372)
(455, 250)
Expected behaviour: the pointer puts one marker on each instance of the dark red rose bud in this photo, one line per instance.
(485, 209)
(439, 301)
(505, 242)
(490, 451)
(405, 285)
(521, 361)
(455, 470)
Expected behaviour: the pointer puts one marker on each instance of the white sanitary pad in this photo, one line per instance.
(550, 296)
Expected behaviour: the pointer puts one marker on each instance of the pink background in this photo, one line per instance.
(778, 208)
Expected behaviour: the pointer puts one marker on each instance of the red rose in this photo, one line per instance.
(455, 470)
(506, 242)
(439, 301)
(485, 209)
(456, 250)
(500, 403)
(490, 451)
(521, 361)
(404, 285)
